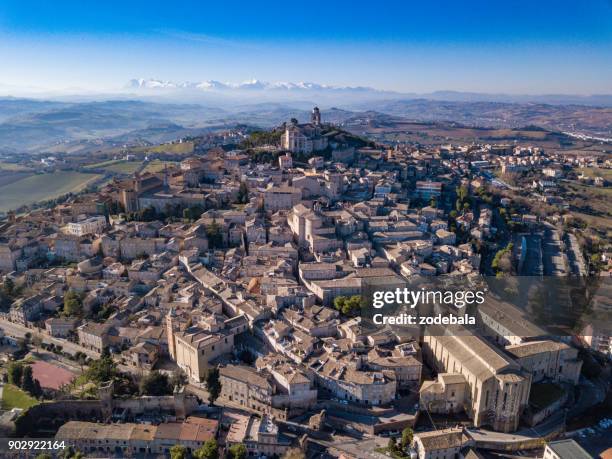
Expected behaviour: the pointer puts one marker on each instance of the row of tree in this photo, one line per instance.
(210, 450)
(21, 375)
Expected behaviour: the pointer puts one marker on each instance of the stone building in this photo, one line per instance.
(498, 386)
(304, 138)
(449, 394)
(548, 359)
(194, 348)
(440, 444)
(281, 197)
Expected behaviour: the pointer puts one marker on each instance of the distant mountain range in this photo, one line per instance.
(256, 85)
(269, 91)
(153, 113)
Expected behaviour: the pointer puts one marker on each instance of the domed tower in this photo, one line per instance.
(315, 117)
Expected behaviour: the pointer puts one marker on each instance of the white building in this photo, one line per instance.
(91, 225)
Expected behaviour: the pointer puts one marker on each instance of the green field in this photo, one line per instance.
(158, 166)
(124, 167)
(595, 172)
(40, 187)
(170, 148)
(14, 397)
(12, 167)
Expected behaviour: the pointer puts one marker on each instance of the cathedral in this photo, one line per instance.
(304, 138)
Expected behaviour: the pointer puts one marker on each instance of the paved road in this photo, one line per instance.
(19, 331)
(362, 447)
(555, 261)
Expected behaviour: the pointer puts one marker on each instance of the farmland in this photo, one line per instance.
(29, 189)
(118, 166)
(158, 166)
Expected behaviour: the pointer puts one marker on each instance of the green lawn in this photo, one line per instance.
(41, 187)
(14, 397)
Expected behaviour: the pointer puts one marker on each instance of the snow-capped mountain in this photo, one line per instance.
(251, 85)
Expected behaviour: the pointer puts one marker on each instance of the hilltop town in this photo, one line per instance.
(214, 304)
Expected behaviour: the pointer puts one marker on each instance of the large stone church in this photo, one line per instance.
(304, 138)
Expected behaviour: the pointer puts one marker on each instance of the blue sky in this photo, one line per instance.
(521, 47)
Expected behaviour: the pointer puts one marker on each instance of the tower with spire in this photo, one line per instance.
(315, 117)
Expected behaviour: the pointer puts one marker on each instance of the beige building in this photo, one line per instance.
(104, 440)
(304, 138)
(194, 348)
(498, 386)
(440, 444)
(449, 394)
(260, 435)
(348, 379)
(281, 197)
(566, 449)
(278, 388)
(548, 359)
(245, 386)
(407, 368)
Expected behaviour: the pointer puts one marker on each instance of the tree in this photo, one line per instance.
(8, 286)
(392, 445)
(347, 305)
(213, 384)
(458, 205)
(247, 357)
(462, 192)
(73, 305)
(339, 302)
(27, 380)
(238, 451)
(178, 378)
(243, 193)
(37, 342)
(209, 450)
(44, 456)
(187, 215)
(37, 389)
(178, 452)
(101, 370)
(155, 383)
(407, 435)
(214, 235)
(15, 373)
